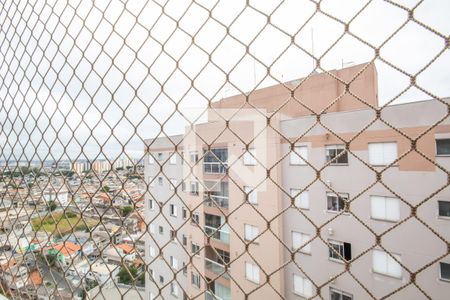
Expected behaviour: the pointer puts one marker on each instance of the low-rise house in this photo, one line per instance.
(67, 253)
(118, 254)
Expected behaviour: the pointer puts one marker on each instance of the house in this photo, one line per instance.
(67, 253)
(117, 254)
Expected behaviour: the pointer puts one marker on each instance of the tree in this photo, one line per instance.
(52, 205)
(52, 258)
(127, 274)
(126, 210)
(105, 189)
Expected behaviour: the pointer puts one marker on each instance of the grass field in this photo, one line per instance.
(61, 223)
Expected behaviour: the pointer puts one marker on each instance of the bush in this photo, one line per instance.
(126, 210)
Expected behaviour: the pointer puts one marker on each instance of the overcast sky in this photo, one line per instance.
(76, 74)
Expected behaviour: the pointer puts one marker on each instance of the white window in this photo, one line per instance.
(339, 295)
(152, 228)
(173, 158)
(194, 188)
(160, 156)
(174, 262)
(252, 272)
(336, 155)
(251, 232)
(301, 199)
(195, 279)
(151, 204)
(195, 219)
(249, 157)
(173, 184)
(151, 159)
(444, 209)
(160, 180)
(173, 210)
(152, 251)
(382, 154)
(301, 240)
(184, 213)
(383, 263)
(252, 194)
(302, 286)
(336, 202)
(385, 208)
(174, 289)
(193, 157)
(299, 156)
(195, 249)
(339, 250)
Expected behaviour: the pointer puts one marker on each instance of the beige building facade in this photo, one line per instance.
(302, 194)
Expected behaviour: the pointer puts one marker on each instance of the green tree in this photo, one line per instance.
(105, 189)
(126, 210)
(52, 258)
(52, 205)
(127, 275)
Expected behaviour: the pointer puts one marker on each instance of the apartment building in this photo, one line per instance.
(294, 204)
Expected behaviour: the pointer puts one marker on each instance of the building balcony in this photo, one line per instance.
(216, 201)
(218, 234)
(215, 167)
(216, 268)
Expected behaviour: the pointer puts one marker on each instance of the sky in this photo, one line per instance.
(95, 78)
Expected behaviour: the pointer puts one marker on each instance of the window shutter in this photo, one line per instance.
(389, 152)
(376, 154)
(377, 207)
(392, 209)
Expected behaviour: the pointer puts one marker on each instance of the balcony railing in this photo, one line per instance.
(216, 201)
(216, 268)
(210, 296)
(218, 234)
(215, 167)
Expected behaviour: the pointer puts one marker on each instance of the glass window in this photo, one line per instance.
(443, 147)
(303, 286)
(336, 154)
(382, 154)
(336, 202)
(299, 155)
(444, 208)
(383, 263)
(250, 232)
(444, 271)
(252, 195)
(339, 295)
(249, 157)
(301, 240)
(385, 208)
(339, 250)
(301, 199)
(252, 272)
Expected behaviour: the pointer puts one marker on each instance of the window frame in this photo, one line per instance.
(249, 157)
(385, 199)
(172, 158)
(173, 210)
(335, 147)
(437, 152)
(298, 197)
(304, 281)
(338, 196)
(296, 158)
(445, 217)
(254, 234)
(388, 260)
(440, 271)
(340, 293)
(341, 250)
(384, 162)
(251, 194)
(305, 245)
(253, 278)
